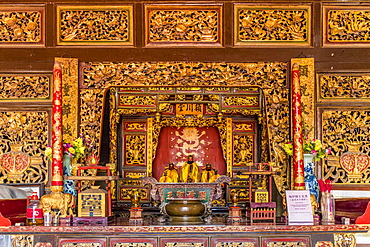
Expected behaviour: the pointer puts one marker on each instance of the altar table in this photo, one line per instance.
(166, 235)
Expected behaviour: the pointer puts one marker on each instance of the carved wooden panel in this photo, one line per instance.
(272, 25)
(133, 242)
(183, 242)
(95, 25)
(341, 87)
(86, 241)
(186, 25)
(20, 87)
(343, 25)
(286, 242)
(345, 130)
(22, 26)
(234, 242)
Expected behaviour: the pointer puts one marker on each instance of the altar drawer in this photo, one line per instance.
(183, 241)
(86, 240)
(152, 242)
(289, 241)
(250, 242)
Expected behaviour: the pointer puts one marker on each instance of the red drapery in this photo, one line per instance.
(175, 144)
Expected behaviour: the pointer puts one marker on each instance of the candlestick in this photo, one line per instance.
(298, 164)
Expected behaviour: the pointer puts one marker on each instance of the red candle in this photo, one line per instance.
(298, 164)
(57, 131)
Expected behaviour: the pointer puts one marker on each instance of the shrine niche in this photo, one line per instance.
(157, 126)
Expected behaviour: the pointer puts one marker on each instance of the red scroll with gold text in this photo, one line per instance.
(57, 132)
(298, 164)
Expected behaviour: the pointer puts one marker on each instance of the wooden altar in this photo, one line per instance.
(212, 235)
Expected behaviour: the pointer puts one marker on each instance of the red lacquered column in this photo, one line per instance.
(57, 130)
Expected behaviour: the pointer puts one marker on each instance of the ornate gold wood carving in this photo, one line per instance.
(70, 98)
(343, 87)
(183, 25)
(133, 244)
(95, 25)
(324, 244)
(243, 149)
(28, 130)
(344, 239)
(345, 131)
(25, 87)
(272, 25)
(91, 113)
(286, 244)
(22, 240)
(135, 150)
(235, 244)
(345, 25)
(270, 77)
(22, 26)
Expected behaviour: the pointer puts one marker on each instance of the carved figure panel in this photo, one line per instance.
(95, 25)
(346, 133)
(21, 87)
(24, 132)
(272, 25)
(134, 150)
(344, 25)
(243, 149)
(183, 25)
(22, 26)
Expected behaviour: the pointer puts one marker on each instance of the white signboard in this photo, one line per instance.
(299, 207)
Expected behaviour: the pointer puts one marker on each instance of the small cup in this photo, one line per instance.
(47, 219)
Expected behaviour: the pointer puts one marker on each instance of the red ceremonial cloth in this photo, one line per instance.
(175, 144)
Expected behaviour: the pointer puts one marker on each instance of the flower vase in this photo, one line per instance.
(309, 175)
(69, 185)
(327, 208)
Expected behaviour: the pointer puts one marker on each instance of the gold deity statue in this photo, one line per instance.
(190, 171)
(207, 174)
(170, 175)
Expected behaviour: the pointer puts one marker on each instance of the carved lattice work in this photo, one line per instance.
(347, 24)
(342, 87)
(29, 130)
(97, 25)
(342, 131)
(344, 240)
(276, 24)
(236, 244)
(243, 149)
(17, 87)
(180, 24)
(286, 244)
(91, 113)
(135, 150)
(21, 26)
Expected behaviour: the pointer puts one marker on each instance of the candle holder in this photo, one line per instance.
(327, 208)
